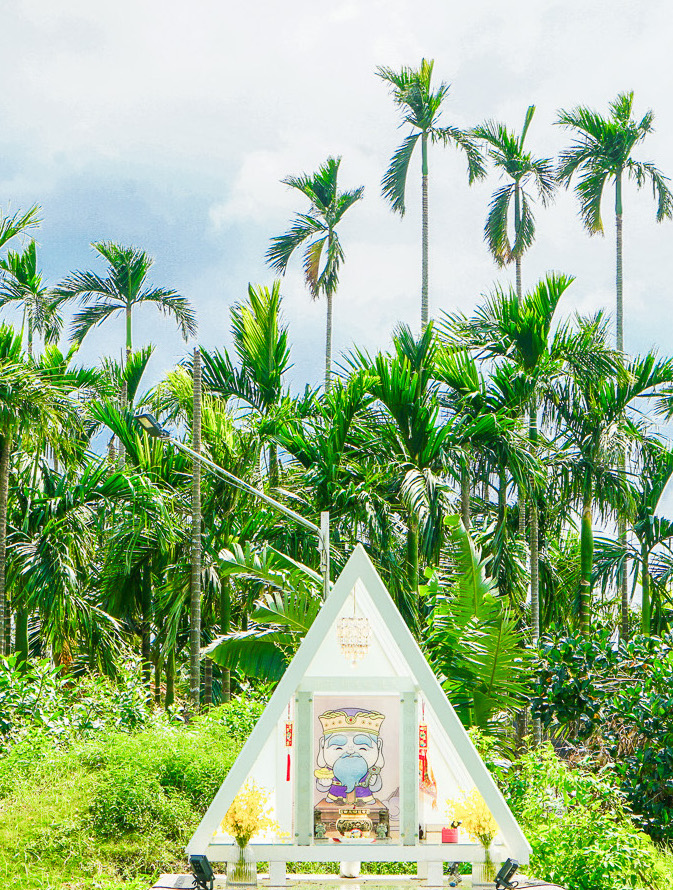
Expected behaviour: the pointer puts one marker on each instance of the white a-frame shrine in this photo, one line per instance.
(359, 748)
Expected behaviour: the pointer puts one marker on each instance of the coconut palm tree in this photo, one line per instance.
(123, 288)
(601, 153)
(506, 150)
(23, 285)
(316, 232)
(420, 106)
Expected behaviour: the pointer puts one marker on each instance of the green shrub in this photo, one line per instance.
(38, 698)
(618, 701)
(240, 715)
(128, 800)
(638, 735)
(573, 682)
(578, 826)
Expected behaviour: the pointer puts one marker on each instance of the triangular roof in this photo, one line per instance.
(359, 568)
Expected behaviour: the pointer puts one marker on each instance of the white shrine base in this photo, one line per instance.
(376, 852)
(326, 882)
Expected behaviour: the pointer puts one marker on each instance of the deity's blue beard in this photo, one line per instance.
(349, 769)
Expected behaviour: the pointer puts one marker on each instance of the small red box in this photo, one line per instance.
(449, 835)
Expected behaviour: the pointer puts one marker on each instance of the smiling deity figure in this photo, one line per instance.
(350, 755)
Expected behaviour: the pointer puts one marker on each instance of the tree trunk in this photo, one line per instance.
(170, 677)
(517, 226)
(619, 342)
(425, 306)
(586, 555)
(208, 682)
(195, 586)
(129, 342)
(534, 558)
(21, 634)
(465, 491)
(619, 319)
(5, 454)
(646, 615)
(225, 627)
(534, 538)
(145, 627)
(328, 341)
(158, 670)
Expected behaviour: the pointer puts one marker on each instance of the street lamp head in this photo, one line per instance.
(151, 425)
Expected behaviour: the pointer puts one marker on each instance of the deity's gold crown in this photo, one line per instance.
(364, 721)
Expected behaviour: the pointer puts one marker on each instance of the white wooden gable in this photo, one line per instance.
(394, 666)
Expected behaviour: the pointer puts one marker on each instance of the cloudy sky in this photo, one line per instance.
(170, 126)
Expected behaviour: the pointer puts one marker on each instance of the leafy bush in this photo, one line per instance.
(580, 831)
(38, 697)
(573, 681)
(117, 808)
(638, 735)
(619, 701)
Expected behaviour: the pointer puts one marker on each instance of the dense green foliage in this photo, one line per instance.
(114, 808)
(619, 701)
(475, 461)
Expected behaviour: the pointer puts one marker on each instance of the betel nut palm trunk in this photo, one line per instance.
(534, 557)
(329, 297)
(5, 453)
(623, 572)
(425, 307)
(519, 293)
(586, 554)
(195, 579)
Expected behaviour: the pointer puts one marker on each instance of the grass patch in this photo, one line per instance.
(110, 813)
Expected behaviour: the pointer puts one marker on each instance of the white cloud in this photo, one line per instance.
(224, 99)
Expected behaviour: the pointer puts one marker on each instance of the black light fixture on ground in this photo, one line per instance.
(204, 876)
(152, 427)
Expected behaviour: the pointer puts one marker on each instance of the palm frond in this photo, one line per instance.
(394, 181)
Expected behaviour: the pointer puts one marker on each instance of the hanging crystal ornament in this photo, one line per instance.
(353, 636)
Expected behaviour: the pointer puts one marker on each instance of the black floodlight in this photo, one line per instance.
(503, 880)
(151, 425)
(204, 876)
(454, 875)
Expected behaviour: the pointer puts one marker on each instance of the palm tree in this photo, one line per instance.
(506, 151)
(653, 532)
(596, 430)
(23, 285)
(506, 330)
(11, 226)
(601, 153)
(123, 288)
(24, 398)
(261, 343)
(316, 230)
(420, 105)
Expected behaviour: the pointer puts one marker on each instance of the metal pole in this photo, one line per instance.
(239, 483)
(324, 556)
(322, 532)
